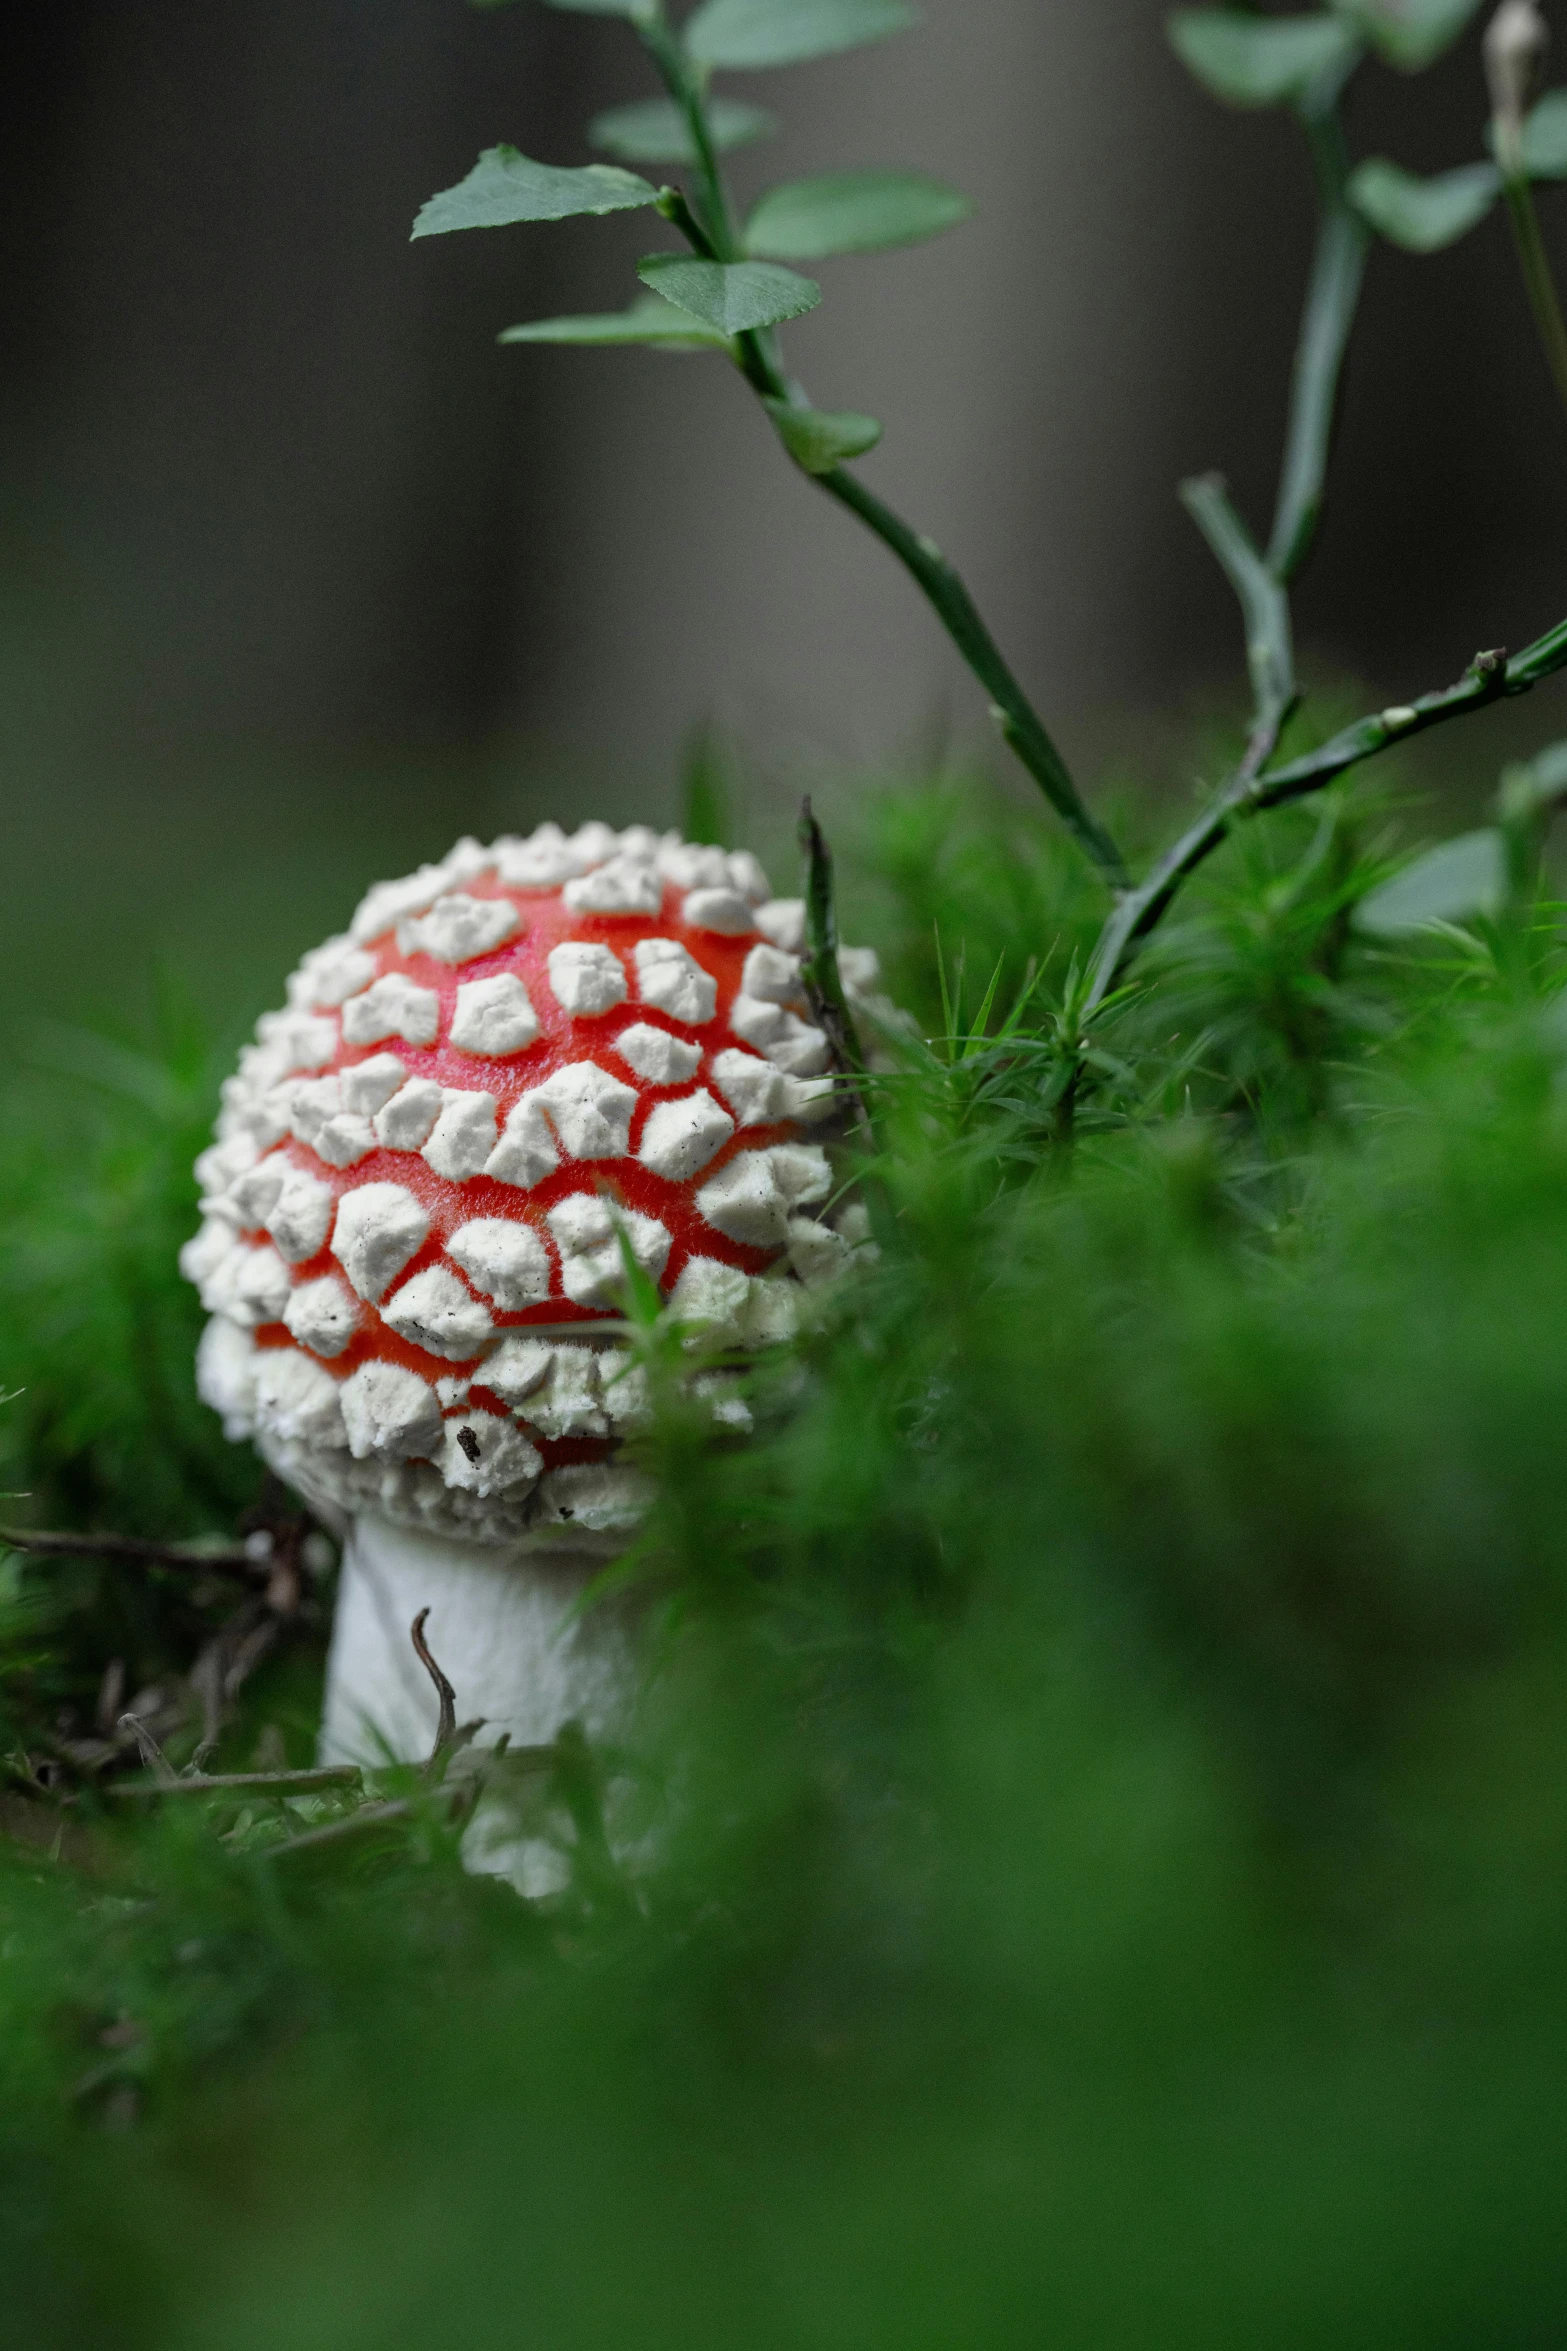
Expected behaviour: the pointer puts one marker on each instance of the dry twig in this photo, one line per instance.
(218, 1783)
(446, 1721)
(152, 1754)
(131, 1549)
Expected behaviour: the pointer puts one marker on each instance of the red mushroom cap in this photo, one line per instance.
(424, 1166)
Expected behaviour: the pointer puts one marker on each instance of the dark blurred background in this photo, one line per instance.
(300, 574)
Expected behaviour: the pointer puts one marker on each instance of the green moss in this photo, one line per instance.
(1104, 1761)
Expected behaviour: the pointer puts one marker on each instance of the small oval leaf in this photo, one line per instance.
(736, 297)
(1410, 34)
(1548, 770)
(1423, 215)
(504, 187)
(1545, 138)
(650, 320)
(852, 212)
(1461, 878)
(819, 438)
(1258, 60)
(1534, 787)
(655, 131)
(752, 33)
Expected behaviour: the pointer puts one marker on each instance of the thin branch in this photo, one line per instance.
(151, 1753)
(538, 1757)
(689, 95)
(713, 237)
(1490, 677)
(1332, 298)
(1515, 45)
(376, 1816)
(1327, 321)
(129, 1547)
(1540, 660)
(268, 1783)
(1022, 728)
(1262, 584)
(1264, 602)
(1141, 909)
(446, 1721)
(1539, 282)
(674, 207)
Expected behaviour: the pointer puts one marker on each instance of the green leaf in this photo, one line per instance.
(1545, 138)
(1463, 877)
(1258, 60)
(504, 187)
(819, 439)
(655, 131)
(1410, 34)
(749, 33)
(1423, 215)
(851, 212)
(733, 296)
(1537, 786)
(650, 320)
(632, 8)
(1548, 769)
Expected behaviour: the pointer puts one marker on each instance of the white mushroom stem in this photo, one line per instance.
(505, 1626)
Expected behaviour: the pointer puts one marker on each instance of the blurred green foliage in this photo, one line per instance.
(1097, 1812)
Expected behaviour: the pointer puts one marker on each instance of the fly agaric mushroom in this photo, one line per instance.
(412, 1224)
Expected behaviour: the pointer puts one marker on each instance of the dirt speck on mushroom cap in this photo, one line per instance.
(442, 1140)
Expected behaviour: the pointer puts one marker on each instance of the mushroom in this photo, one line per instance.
(413, 1214)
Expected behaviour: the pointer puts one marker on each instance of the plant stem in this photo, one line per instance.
(1490, 677)
(688, 92)
(1262, 584)
(1143, 908)
(130, 1547)
(943, 587)
(672, 204)
(277, 1783)
(1539, 283)
(1021, 726)
(1332, 297)
(1265, 606)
